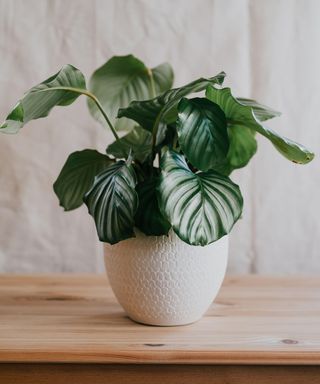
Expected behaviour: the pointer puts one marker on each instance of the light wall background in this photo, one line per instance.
(270, 51)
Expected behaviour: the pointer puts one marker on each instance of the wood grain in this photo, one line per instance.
(75, 319)
(156, 374)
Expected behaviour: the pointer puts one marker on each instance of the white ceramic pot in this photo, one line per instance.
(164, 281)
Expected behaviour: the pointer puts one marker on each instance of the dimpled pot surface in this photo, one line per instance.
(164, 281)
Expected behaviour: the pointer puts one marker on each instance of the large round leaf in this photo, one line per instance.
(77, 175)
(148, 217)
(123, 79)
(39, 100)
(202, 132)
(112, 202)
(244, 114)
(201, 207)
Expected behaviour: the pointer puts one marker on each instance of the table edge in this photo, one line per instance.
(167, 357)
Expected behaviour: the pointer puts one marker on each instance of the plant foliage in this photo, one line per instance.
(197, 143)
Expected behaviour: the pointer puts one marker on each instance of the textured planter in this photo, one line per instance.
(164, 281)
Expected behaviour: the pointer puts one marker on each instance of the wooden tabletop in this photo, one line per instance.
(76, 319)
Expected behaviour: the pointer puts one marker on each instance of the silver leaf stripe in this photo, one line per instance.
(113, 201)
(202, 131)
(201, 207)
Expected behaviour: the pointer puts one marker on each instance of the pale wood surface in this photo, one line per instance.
(75, 319)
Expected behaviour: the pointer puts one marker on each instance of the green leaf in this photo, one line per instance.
(148, 217)
(77, 175)
(262, 112)
(243, 146)
(123, 79)
(138, 140)
(202, 207)
(202, 132)
(164, 106)
(243, 115)
(39, 100)
(163, 78)
(112, 201)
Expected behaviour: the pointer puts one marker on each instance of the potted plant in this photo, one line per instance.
(161, 196)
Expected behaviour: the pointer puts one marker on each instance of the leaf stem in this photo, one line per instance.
(92, 97)
(175, 142)
(155, 132)
(104, 115)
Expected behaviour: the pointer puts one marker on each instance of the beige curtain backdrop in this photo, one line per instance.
(270, 51)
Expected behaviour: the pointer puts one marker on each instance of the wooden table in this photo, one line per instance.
(70, 329)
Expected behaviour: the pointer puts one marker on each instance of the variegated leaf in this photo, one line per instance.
(202, 132)
(201, 207)
(112, 202)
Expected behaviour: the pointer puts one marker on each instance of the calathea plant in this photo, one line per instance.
(171, 168)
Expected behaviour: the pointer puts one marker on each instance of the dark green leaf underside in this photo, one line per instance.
(148, 217)
(146, 112)
(77, 175)
(138, 141)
